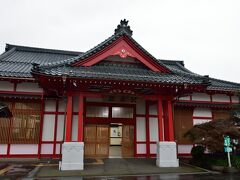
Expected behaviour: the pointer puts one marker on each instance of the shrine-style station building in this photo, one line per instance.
(115, 100)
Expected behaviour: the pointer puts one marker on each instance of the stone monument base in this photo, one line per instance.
(72, 156)
(167, 154)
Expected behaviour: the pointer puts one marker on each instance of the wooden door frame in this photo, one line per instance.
(108, 120)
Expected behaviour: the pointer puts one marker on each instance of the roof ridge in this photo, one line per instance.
(172, 61)
(122, 31)
(234, 83)
(7, 53)
(40, 50)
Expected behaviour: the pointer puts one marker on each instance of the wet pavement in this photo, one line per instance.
(40, 170)
(163, 177)
(15, 171)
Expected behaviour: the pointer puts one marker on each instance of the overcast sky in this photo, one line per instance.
(203, 33)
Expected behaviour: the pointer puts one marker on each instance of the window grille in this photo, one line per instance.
(24, 126)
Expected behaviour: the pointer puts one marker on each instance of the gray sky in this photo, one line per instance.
(203, 33)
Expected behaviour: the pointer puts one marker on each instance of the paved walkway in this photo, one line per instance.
(111, 167)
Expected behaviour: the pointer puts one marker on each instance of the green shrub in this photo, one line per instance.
(236, 161)
(197, 152)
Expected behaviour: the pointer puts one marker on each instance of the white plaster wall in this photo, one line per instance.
(50, 106)
(202, 112)
(141, 128)
(47, 149)
(186, 98)
(153, 148)
(48, 127)
(24, 149)
(60, 127)
(201, 97)
(61, 105)
(75, 103)
(141, 149)
(184, 149)
(153, 129)
(6, 86)
(153, 109)
(200, 121)
(3, 148)
(220, 98)
(28, 87)
(58, 146)
(235, 99)
(140, 106)
(74, 127)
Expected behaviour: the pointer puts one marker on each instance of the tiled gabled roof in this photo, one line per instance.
(17, 61)
(123, 30)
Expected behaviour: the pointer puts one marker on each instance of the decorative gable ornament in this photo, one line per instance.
(123, 53)
(123, 27)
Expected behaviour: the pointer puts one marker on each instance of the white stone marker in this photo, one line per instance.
(167, 154)
(72, 156)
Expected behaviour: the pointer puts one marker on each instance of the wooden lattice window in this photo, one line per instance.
(24, 126)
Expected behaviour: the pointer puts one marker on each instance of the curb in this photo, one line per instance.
(32, 173)
(208, 171)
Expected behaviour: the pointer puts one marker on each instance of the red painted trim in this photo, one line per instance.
(170, 120)
(135, 131)
(211, 98)
(9, 135)
(80, 118)
(29, 156)
(58, 113)
(190, 98)
(87, 94)
(52, 142)
(201, 117)
(140, 155)
(165, 121)
(109, 104)
(141, 142)
(41, 127)
(69, 119)
(14, 86)
(21, 93)
(55, 128)
(109, 120)
(147, 129)
(122, 43)
(160, 119)
(208, 102)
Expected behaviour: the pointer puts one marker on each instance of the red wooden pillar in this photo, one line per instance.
(147, 129)
(160, 119)
(165, 120)
(69, 119)
(170, 121)
(41, 127)
(80, 118)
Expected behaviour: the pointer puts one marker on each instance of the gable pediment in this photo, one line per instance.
(123, 47)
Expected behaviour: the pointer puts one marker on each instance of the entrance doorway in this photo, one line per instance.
(114, 141)
(115, 148)
(96, 140)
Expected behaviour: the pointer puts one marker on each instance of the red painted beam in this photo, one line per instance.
(170, 120)
(80, 118)
(41, 127)
(160, 120)
(147, 129)
(69, 119)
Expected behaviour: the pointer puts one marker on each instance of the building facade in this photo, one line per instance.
(115, 100)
